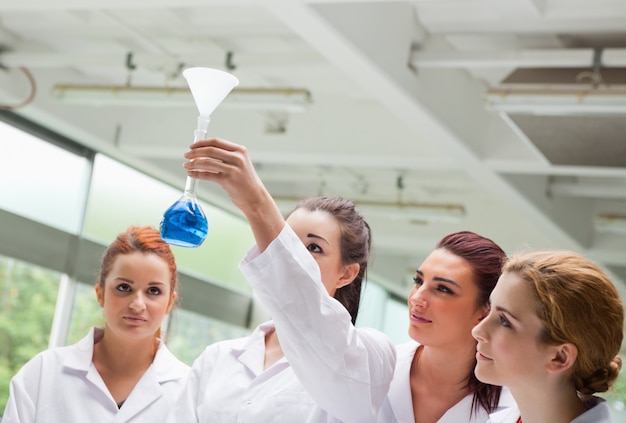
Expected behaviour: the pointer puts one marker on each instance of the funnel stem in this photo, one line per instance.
(191, 184)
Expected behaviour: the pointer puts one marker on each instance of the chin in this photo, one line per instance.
(485, 376)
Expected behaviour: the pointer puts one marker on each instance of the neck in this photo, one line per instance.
(443, 367)
(545, 403)
(273, 350)
(118, 355)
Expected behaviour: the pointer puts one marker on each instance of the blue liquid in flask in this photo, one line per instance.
(184, 224)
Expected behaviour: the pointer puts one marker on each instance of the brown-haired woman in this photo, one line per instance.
(122, 372)
(552, 337)
(434, 379)
(307, 272)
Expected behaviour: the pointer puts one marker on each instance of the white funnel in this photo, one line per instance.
(209, 87)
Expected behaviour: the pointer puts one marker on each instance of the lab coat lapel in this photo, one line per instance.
(147, 391)
(508, 415)
(165, 368)
(80, 359)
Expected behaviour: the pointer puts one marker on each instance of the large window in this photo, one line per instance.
(120, 196)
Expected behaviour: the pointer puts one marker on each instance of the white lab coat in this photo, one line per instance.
(331, 372)
(62, 385)
(398, 406)
(597, 412)
(347, 371)
(227, 383)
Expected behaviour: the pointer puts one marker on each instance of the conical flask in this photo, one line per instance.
(184, 224)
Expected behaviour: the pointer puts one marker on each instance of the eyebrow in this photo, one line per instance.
(504, 310)
(317, 237)
(132, 282)
(441, 279)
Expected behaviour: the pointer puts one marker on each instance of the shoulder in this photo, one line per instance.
(373, 339)
(45, 363)
(167, 366)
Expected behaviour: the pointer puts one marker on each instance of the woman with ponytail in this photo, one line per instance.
(309, 363)
(552, 337)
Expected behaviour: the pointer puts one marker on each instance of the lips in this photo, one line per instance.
(418, 318)
(134, 319)
(481, 357)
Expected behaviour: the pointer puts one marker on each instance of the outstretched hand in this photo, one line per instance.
(229, 165)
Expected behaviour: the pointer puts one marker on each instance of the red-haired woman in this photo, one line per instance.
(434, 379)
(119, 373)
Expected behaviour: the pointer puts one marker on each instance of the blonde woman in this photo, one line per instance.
(552, 337)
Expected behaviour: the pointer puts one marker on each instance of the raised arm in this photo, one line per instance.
(346, 370)
(229, 165)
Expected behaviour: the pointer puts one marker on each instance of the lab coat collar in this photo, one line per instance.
(165, 367)
(252, 353)
(597, 412)
(80, 356)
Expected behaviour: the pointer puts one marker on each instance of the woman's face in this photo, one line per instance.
(320, 233)
(443, 303)
(509, 352)
(136, 294)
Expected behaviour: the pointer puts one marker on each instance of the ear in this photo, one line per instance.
(484, 312)
(100, 295)
(349, 273)
(172, 301)
(562, 357)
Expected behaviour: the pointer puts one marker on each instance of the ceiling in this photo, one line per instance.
(397, 113)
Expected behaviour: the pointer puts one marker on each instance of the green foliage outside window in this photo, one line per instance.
(617, 395)
(27, 301)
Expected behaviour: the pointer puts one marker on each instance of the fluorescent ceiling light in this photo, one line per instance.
(613, 223)
(428, 212)
(557, 102)
(290, 100)
(443, 213)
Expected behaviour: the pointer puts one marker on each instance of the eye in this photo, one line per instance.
(314, 248)
(124, 287)
(504, 321)
(154, 290)
(444, 289)
(418, 280)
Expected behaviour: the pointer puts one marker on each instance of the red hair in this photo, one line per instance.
(144, 239)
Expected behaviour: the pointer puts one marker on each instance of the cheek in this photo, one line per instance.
(514, 352)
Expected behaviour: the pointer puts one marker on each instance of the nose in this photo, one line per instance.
(478, 331)
(417, 298)
(138, 303)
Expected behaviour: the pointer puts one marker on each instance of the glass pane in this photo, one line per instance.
(396, 321)
(190, 333)
(27, 295)
(372, 305)
(121, 196)
(51, 190)
(86, 312)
